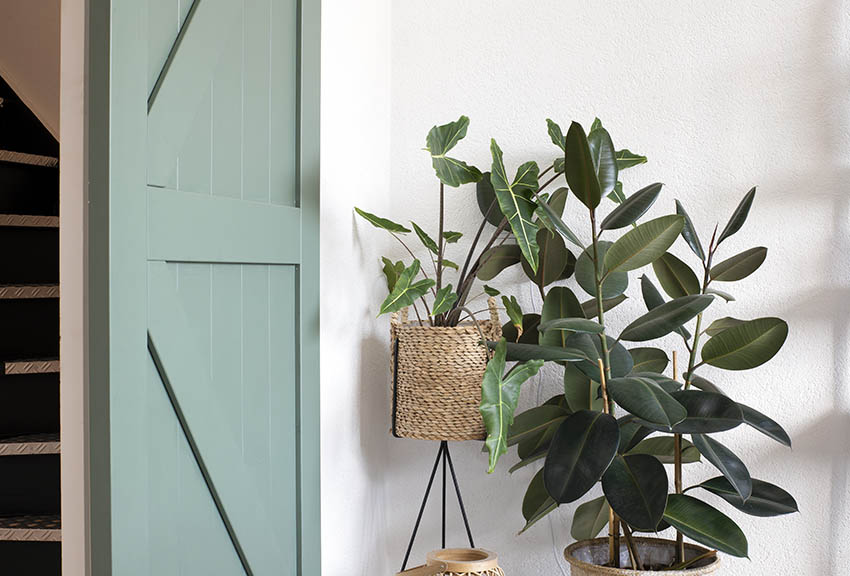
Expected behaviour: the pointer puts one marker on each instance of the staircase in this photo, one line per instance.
(30, 533)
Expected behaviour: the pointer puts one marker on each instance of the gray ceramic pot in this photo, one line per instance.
(587, 557)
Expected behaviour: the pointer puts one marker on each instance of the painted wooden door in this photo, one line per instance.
(212, 288)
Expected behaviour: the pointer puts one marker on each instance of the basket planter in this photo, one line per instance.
(458, 562)
(587, 557)
(436, 377)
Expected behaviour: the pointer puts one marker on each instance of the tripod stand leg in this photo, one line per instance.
(448, 457)
(443, 446)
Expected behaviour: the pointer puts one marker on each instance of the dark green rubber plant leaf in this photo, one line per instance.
(523, 352)
(528, 334)
(627, 159)
(580, 392)
(707, 412)
(649, 360)
(705, 385)
(746, 345)
(645, 399)
(579, 168)
(499, 395)
(632, 208)
(653, 299)
(426, 240)
(580, 452)
(766, 499)
(537, 503)
(591, 347)
(487, 203)
(725, 295)
(604, 158)
(635, 486)
(534, 448)
(739, 216)
(444, 300)
(732, 468)
(689, 233)
(591, 309)
(668, 384)
(589, 519)
(666, 318)
(765, 425)
(615, 283)
(406, 291)
(739, 266)
(554, 257)
(382, 223)
(516, 199)
(535, 421)
(496, 259)
(664, 448)
(642, 245)
(392, 271)
(572, 325)
(440, 140)
(560, 302)
(631, 433)
(676, 278)
(556, 134)
(705, 524)
(722, 324)
(556, 201)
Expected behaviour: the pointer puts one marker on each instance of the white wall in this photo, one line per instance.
(720, 96)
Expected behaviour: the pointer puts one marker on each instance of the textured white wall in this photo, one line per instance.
(720, 96)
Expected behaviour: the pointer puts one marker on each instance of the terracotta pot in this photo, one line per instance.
(587, 557)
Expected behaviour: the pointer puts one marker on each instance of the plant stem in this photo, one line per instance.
(475, 243)
(440, 241)
(412, 255)
(600, 313)
(466, 285)
(633, 551)
(677, 470)
(549, 181)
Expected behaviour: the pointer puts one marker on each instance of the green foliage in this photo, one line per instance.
(765, 500)
(443, 300)
(499, 395)
(440, 140)
(705, 524)
(589, 519)
(406, 290)
(513, 311)
(381, 223)
(635, 486)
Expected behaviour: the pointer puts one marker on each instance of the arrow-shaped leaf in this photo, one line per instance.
(516, 201)
(440, 140)
(627, 159)
(556, 134)
(444, 300)
(392, 271)
(499, 395)
(426, 240)
(406, 291)
(382, 223)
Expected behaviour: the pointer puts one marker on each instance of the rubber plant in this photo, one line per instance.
(621, 419)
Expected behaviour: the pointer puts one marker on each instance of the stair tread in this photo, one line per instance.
(22, 291)
(26, 158)
(31, 528)
(31, 366)
(30, 444)
(29, 221)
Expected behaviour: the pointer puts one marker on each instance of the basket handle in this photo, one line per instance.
(426, 570)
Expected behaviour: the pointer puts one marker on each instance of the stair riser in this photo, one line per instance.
(30, 328)
(29, 255)
(29, 484)
(31, 558)
(30, 404)
(26, 189)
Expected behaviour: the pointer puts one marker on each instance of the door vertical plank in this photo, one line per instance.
(255, 86)
(227, 116)
(282, 342)
(227, 343)
(130, 546)
(284, 105)
(194, 161)
(255, 373)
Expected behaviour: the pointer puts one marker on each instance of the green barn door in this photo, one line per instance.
(212, 282)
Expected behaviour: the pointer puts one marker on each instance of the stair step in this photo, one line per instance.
(30, 445)
(31, 528)
(28, 291)
(29, 221)
(31, 159)
(36, 366)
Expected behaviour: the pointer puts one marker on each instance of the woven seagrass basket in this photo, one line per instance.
(436, 377)
(586, 558)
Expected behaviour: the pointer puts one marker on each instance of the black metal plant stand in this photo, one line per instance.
(442, 453)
